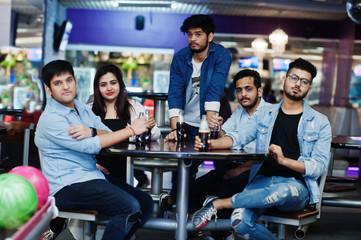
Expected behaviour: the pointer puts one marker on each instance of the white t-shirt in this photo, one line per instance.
(191, 109)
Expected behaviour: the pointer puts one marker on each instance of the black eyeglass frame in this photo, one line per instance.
(294, 78)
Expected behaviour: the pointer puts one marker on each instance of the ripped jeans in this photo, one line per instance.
(285, 194)
(128, 207)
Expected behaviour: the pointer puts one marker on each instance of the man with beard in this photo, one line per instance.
(300, 139)
(197, 78)
(228, 179)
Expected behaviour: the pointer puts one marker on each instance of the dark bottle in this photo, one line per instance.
(204, 134)
(140, 139)
(215, 130)
(180, 128)
(147, 134)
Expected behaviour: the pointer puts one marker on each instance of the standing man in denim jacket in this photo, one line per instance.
(198, 75)
(300, 138)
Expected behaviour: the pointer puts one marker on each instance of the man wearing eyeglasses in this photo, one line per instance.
(300, 139)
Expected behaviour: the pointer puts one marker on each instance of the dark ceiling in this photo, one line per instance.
(30, 13)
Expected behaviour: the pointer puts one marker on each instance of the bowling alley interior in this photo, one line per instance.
(145, 41)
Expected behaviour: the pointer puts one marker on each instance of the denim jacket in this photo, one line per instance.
(314, 137)
(240, 115)
(214, 73)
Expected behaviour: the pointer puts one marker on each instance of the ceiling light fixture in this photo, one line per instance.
(259, 46)
(165, 4)
(278, 38)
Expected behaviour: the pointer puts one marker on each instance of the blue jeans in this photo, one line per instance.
(128, 207)
(285, 194)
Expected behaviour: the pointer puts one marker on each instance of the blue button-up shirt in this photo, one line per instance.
(66, 160)
(314, 137)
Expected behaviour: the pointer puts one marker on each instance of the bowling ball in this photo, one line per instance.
(18, 200)
(37, 179)
(353, 8)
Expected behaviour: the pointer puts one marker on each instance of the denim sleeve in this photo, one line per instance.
(317, 162)
(176, 90)
(221, 67)
(230, 124)
(242, 135)
(56, 131)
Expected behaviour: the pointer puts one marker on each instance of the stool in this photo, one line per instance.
(300, 218)
(339, 186)
(157, 167)
(90, 218)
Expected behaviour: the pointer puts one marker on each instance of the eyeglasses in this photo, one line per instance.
(294, 78)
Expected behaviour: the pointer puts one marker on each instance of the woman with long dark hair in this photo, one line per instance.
(117, 110)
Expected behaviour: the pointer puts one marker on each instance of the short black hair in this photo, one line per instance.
(199, 21)
(248, 73)
(53, 68)
(305, 65)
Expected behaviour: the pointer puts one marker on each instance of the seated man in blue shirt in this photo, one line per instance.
(228, 178)
(300, 139)
(69, 136)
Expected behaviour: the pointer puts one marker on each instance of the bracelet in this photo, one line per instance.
(173, 130)
(131, 131)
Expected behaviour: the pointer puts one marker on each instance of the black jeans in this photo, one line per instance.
(128, 207)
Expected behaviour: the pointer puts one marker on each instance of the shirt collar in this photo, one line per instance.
(64, 110)
(261, 104)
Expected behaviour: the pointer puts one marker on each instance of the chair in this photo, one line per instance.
(18, 135)
(89, 219)
(301, 219)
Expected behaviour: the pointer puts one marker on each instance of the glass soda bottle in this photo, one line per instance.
(204, 134)
(215, 130)
(147, 135)
(180, 127)
(140, 139)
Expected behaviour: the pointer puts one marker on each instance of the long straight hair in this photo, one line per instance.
(122, 104)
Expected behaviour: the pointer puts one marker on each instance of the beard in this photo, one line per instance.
(295, 97)
(251, 105)
(199, 50)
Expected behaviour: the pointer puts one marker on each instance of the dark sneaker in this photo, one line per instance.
(164, 206)
(143, 184)
(204, 215)
(222, 235)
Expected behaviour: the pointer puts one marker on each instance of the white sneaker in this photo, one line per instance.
(48, 235)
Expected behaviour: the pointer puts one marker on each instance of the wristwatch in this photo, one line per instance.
(94, 132)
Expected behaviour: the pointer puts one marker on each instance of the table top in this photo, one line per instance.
(167, 149)
(148, 95)
(350, 142)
